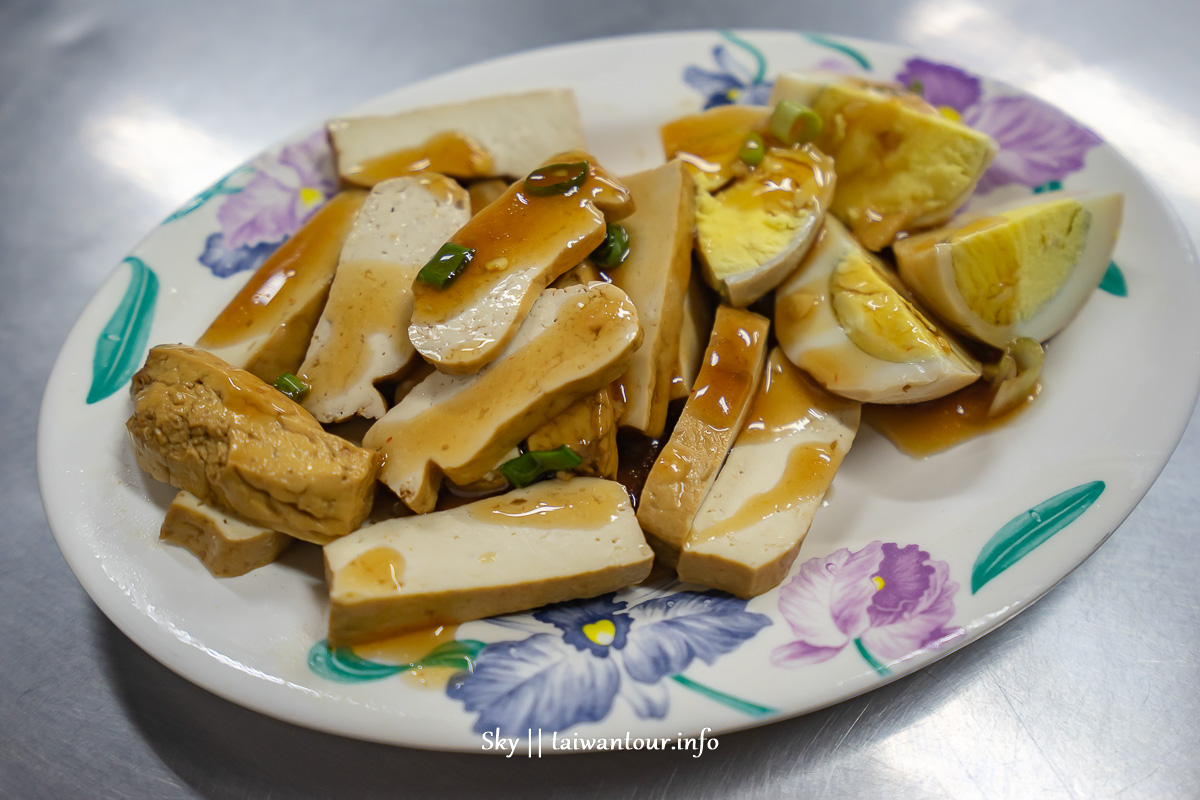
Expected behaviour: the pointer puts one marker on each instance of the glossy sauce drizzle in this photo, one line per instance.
(922, 429)
(378, 571)
(568, 506)
(806, 476)
(449, 152)
(519, 231)
(308, 257)
(408, 649)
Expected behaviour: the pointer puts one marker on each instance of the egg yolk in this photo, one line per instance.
(877, 317)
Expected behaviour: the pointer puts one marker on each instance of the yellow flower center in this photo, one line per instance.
(878, 583)
(733, 94)
(949, 113)
(311, 196)
(602, 631)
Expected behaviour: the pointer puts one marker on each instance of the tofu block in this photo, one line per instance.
(693, 337)
(266, 328)
(901, 164)
(750, 527)
(589, 427)
(512, 133)
(655, 276)
(521, 243)
(228, 545)
(362, 336)
(546, 543)
(688, 463)
(574, 342)
(243, 446)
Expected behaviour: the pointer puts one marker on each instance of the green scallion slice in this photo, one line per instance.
(528, 467)
(292, 386)
(614, 249)
(752, 149)
(446, 265)
(794, 123)
(917, 87)
(556, 178)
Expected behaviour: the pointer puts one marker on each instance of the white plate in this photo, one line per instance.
(1120, 383)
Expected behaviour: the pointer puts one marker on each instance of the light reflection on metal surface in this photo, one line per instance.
(159, 152)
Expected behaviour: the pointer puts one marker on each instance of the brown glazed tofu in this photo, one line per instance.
(267, 326)
(688, 464)
(225, 543)
(241, 445)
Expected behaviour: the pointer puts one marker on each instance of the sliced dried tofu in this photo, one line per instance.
(655, 276)
(267, 326)
(589, 427)
(503, 135)
(521, 243)
(574, 342)
(547, 543)
(226, 544)
(693, 337)
(485, 192)
(709, 142)
(362, 336)
(750, 527)
(711, 419)
(238, 444)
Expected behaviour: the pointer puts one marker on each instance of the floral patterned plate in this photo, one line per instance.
(908, 560)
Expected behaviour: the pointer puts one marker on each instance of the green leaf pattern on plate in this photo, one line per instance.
(1028, 530)
(343, 665)
(120, 345)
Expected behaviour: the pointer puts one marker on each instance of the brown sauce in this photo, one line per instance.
(922, 429)
(370, 298)
(377, 571)
(806, 476)
(287, 279)
(572, 505)
(449, 152)
(709, 142)
(512, 234)
(728, 374)
(788, 401)
(410, 648)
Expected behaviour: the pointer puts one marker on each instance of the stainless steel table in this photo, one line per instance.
(1091, 693)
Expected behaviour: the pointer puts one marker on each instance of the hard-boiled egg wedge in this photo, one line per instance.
(1023, 271)
(844, 319)
(901, 165)
(751, 235)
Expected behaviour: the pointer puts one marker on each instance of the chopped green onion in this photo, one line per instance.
(614, 249)
(556, 178)
(292, 386)
(446, 265)
(528, 467)
(794, 123)
(1016, 375)
(752, 149)
(917, 87)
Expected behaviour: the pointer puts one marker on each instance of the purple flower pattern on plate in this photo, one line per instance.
(602, 649)
(1038, 143)
(888, 601)
(283, 191)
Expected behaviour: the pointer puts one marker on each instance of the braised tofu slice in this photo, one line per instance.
(362, 336)
(503, 135)
(226, 544)
(266, 328)
(574, 342)
(655, 276)
(519, 244)
(241, 445)
(547, 543)
(688, 464)
(693, 337)
(589, 428)
(750, 527)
